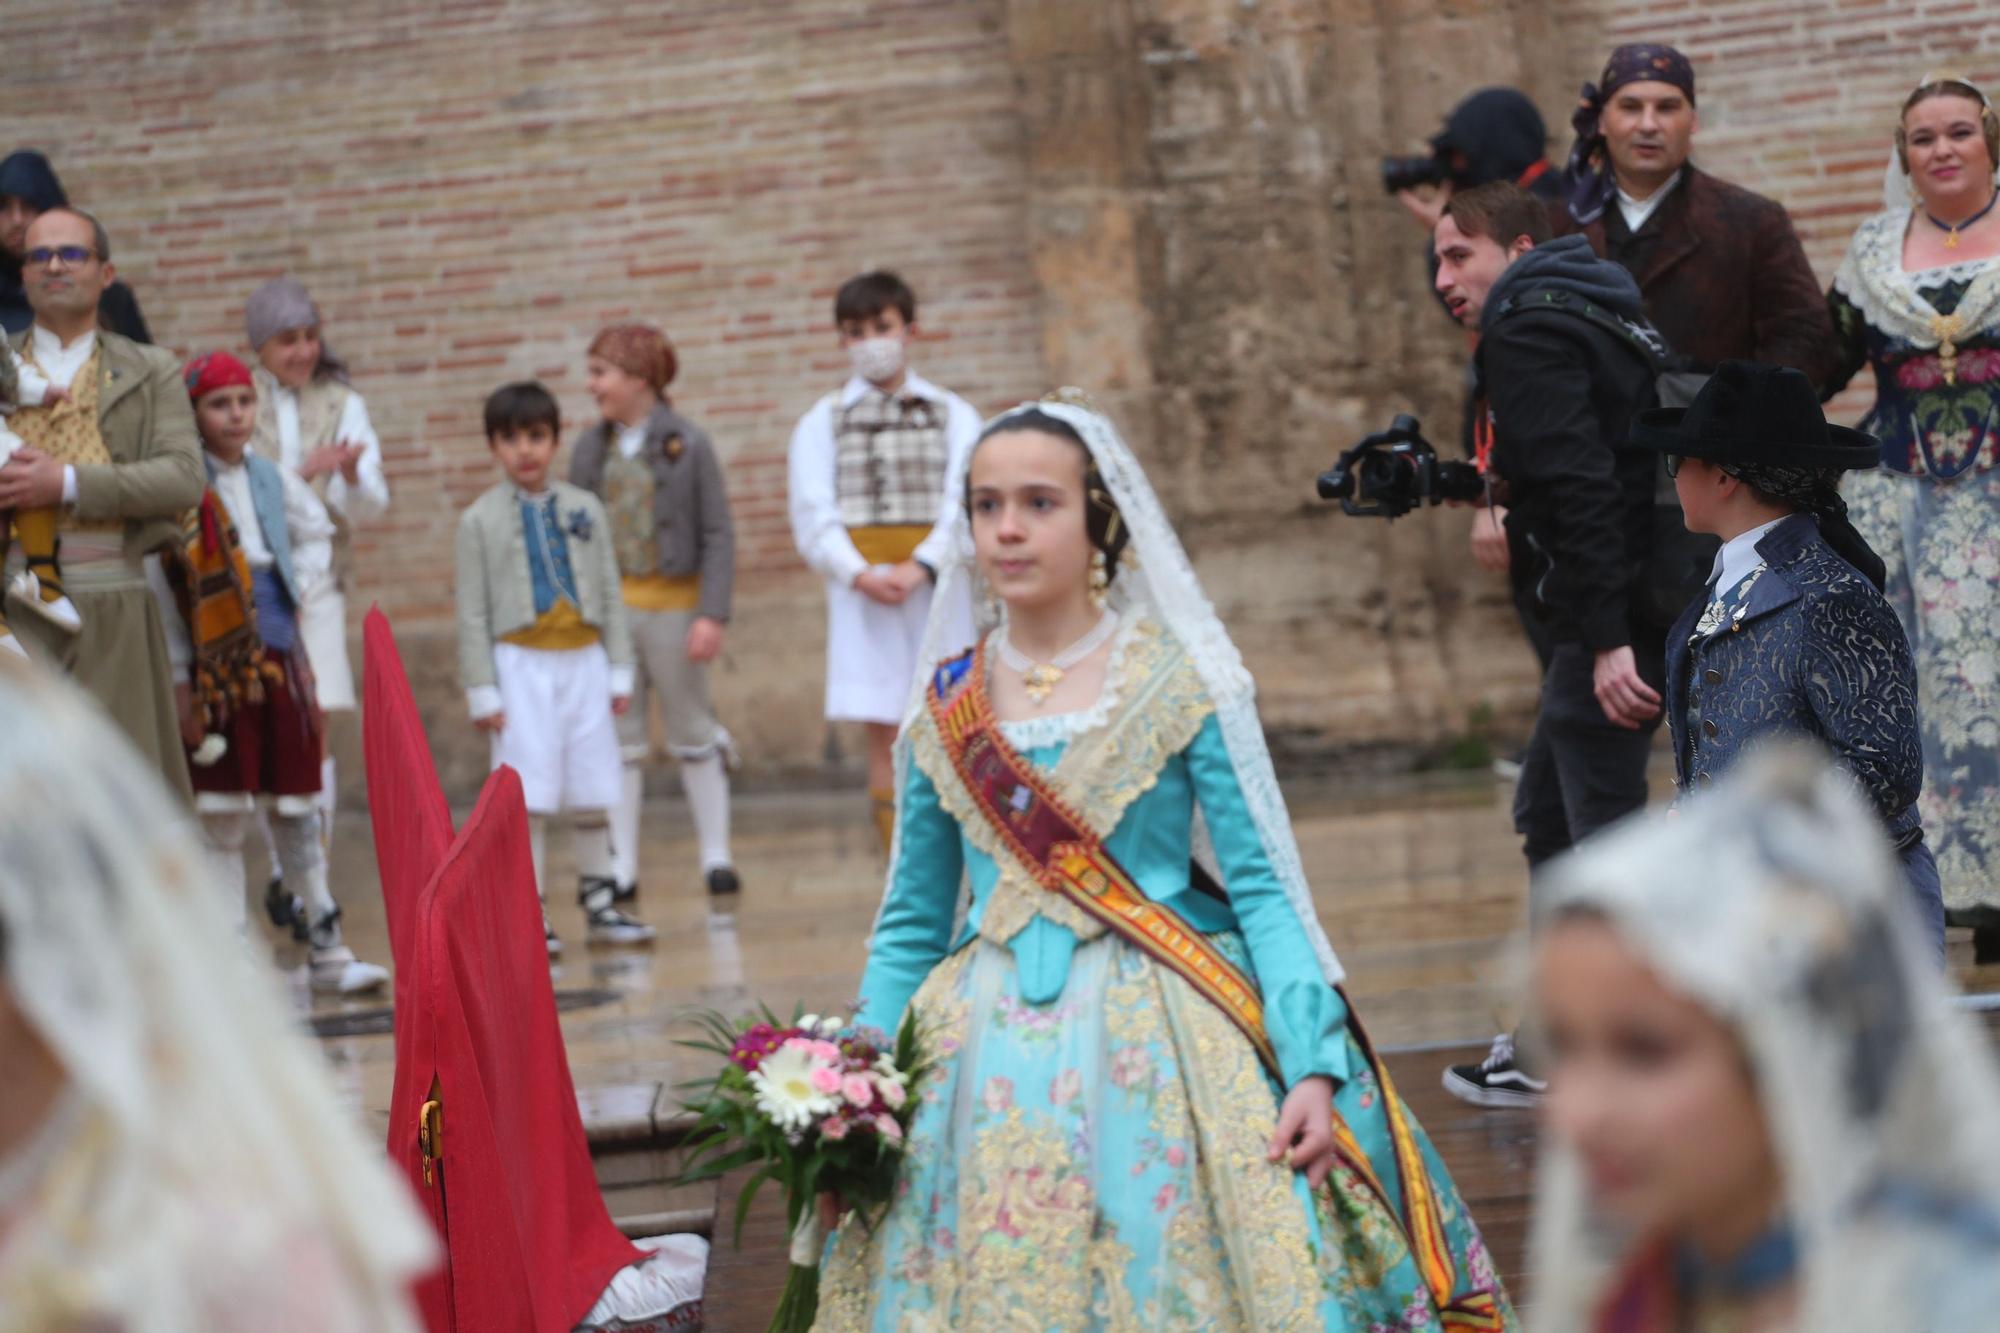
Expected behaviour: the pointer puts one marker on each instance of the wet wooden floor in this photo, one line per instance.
(1421, 889)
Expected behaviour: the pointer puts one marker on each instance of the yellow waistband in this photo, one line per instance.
(558, 629)
(890, 544)
(661, 592)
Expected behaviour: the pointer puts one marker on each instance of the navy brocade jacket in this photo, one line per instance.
(1817, 651)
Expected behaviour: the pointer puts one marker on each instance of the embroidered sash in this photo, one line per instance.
(1067, 859)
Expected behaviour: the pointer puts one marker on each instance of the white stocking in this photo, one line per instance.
(590, 839)
(222, 835)
(538, 850)
(625, 825)
(263, 821)
(302, 858)
(706, 782)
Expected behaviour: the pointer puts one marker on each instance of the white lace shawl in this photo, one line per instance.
(1155, 580)
(1775, 902)
(1871, 275)
(206, 1174)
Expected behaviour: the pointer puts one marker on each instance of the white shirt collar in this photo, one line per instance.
(914, 386)
(49, 348)
(1636, 211)
(1738, 556)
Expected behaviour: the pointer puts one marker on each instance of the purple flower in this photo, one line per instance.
(756, 1043)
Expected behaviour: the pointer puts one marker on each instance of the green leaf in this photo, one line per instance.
(744, 1200)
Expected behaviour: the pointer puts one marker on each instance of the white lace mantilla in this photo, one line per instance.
(1889, 296)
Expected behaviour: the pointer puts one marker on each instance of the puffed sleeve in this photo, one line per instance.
(913, 934)
(1306, 1018)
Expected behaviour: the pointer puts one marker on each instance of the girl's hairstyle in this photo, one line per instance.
(1102, 522)
(1948, 85)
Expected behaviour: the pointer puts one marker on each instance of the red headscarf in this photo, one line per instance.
(211, 371)
(641, 351)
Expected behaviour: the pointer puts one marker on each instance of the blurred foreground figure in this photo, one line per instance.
(172, 1155)
(1766, 1116)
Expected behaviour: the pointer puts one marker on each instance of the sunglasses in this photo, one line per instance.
(1674, 461)
(70, 255)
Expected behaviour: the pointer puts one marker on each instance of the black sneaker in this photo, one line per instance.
(1498, 1080)
(723, 882)
(286, 909)
(608, 925)
(626, 893)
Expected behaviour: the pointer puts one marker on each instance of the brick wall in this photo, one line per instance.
(1171, 201)
(472, 189)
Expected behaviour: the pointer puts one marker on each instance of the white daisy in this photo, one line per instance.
(785, 1093)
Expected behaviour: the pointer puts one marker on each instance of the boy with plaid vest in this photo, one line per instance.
(867, 478)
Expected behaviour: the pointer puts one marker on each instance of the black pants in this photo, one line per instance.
(1582, 771)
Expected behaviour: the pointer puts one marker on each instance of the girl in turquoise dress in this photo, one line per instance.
(1151, 1109)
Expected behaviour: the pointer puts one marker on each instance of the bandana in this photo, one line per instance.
(281, 304)
(1816, 491)
(1590, 183)
(641, 351)
(211, 371)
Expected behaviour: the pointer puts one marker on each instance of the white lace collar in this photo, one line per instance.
(1873, 277)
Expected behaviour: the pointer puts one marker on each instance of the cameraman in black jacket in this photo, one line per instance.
(1565, 360)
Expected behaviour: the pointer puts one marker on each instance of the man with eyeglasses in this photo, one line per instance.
(28, 189)
(120, 455)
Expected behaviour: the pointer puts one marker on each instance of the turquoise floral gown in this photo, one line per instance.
(1091, 1152)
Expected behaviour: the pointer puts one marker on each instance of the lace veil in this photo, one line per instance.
(1774, 902)
(200, 1171)
(1156, 580)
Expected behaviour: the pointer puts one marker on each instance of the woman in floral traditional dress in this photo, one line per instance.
(1152, 1109)
(1918, 299)
(1764, 1114)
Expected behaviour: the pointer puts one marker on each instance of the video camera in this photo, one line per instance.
(1394, 471)
(1409, 173)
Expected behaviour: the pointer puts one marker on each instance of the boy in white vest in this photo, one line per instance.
(867, 473)
(543, 649)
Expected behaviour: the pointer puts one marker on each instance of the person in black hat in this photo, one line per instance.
(1794, 636)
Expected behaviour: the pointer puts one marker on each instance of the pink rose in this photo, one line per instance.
(1978, 366)
(827, 1051)
(858, 1090)
(892, 1092)
(999, 1094)
(1176, 1156)
(886, 1126)
(825, 1079)
(1065, 1086)
(834, 1129)
(1921, 372)
(799, 1044)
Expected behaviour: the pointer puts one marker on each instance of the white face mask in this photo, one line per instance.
(877, 360)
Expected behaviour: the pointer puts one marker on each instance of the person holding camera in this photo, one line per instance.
(1494, 135)
(1565, 361)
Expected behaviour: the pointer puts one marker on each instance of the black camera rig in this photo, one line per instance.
(1394, 471)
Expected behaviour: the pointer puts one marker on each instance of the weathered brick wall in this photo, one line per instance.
(1172, 201)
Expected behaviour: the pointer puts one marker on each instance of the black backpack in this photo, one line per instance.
(1679, 562)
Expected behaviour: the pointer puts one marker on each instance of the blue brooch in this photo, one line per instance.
(579, 525)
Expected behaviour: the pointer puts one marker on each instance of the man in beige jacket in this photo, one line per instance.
(121, 456)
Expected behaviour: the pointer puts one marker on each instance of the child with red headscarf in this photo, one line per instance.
(247, 706)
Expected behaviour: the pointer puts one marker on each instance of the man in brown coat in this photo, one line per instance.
(1721, 270)
(121, 456)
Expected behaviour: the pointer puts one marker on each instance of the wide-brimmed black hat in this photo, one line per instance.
(1751, 413)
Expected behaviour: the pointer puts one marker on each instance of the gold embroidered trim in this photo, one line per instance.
(1160, 708)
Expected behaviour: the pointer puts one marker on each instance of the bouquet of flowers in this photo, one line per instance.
(819, 1105)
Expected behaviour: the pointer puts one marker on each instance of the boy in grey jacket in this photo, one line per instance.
(543, 649)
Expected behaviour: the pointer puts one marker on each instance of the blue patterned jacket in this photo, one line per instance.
(1817, 652)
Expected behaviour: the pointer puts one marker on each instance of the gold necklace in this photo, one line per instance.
(1039, 679)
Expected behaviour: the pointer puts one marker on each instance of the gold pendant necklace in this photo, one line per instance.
(1039, 679)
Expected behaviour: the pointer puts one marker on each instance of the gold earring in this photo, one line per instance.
(1100, 575)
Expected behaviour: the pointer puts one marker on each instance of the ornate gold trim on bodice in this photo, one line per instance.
(1159, 705)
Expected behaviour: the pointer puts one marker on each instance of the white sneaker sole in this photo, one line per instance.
(1493, 1098)
(623, 940)
(354, 979)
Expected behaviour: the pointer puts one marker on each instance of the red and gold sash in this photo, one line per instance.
(1067, 858)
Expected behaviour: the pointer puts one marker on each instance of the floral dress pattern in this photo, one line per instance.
(1933, 341)
(1091, 1152)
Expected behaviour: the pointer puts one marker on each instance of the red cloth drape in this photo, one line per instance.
(528, 1241)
